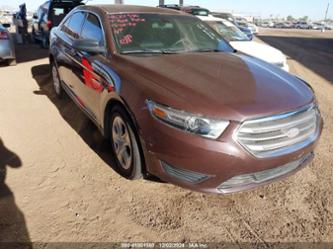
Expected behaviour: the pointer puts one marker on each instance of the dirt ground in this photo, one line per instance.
(59, 186)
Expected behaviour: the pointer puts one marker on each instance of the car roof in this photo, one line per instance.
(123, 8)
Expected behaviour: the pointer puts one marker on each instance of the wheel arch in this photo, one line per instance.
(106, 129)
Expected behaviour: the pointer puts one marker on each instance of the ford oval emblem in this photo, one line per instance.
(292, 133)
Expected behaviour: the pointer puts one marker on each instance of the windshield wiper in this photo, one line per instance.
(143, 51)
(203, 50)
(167, 51)
(173, 51)
(154, 51)
(170, 51)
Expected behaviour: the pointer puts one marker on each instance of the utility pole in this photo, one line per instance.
(328, 6)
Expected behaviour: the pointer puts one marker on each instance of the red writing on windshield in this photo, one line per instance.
(127, 39)
(120, 21)
(120, 24)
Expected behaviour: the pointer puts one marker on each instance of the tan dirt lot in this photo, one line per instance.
(60, 188)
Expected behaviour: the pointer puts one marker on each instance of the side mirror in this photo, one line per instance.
(90, 46)
(6, 25)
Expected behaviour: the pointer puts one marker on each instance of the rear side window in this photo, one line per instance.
(74, 24)
(92, 29)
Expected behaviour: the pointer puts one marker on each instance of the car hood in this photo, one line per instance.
(259, 50)
(219, 85)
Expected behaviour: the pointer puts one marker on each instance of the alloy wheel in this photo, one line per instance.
(122, 142)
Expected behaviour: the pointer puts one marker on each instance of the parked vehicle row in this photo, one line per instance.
(178, 102)
(283, 25)
(296, 25)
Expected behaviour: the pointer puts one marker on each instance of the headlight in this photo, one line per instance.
(188, 122)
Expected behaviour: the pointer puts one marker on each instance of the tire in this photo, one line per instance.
(125, 145)
(56, 81)
(12, 62)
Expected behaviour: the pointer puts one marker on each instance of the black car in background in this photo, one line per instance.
(193, 10)
(49, 15)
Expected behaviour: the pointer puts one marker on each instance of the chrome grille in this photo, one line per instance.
(280, 134)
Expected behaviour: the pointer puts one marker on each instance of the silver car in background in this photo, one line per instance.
(7, 47)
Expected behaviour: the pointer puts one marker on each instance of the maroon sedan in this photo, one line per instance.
(179, 103)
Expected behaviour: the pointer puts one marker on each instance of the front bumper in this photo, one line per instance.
(204, 165)
(253, 180)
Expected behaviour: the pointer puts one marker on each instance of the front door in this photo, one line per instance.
(93, 82)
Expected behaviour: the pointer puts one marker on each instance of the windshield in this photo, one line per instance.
(228, 31)
(156, 33)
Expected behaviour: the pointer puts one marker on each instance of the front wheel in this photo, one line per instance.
(125, 144)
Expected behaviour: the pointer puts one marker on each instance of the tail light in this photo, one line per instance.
(49, 24)
(4, 35)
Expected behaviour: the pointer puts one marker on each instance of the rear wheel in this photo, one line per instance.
(56, 81)
(125, 145)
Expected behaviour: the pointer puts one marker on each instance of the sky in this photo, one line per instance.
(315, 9)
